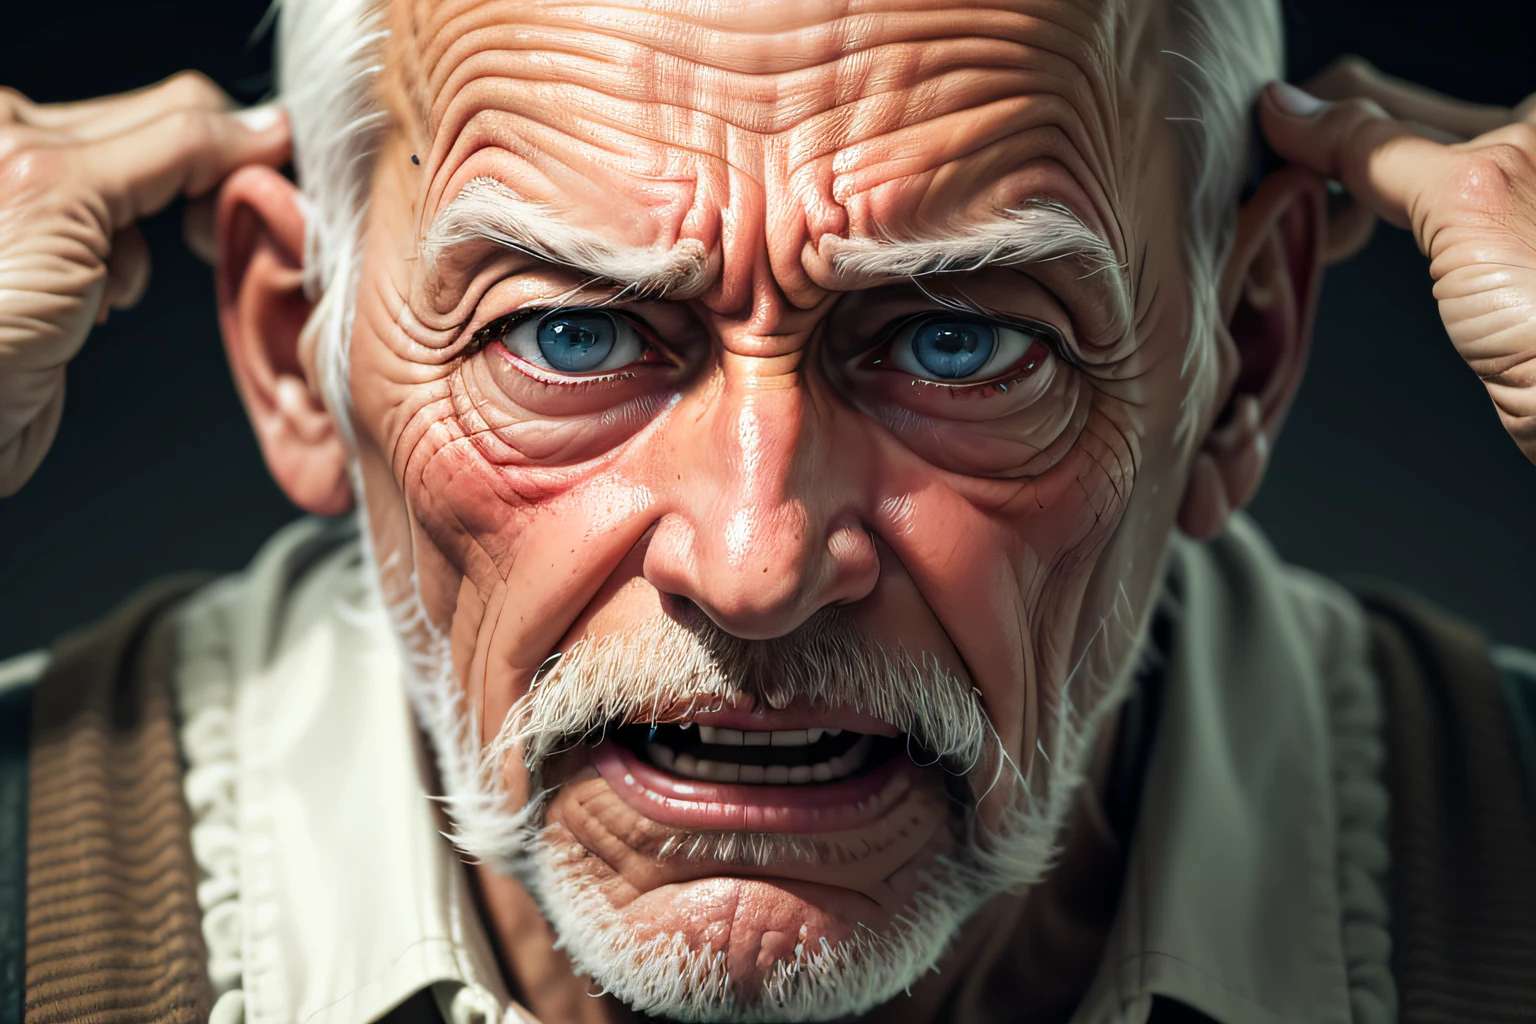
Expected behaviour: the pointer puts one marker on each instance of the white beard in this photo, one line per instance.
(664, 975)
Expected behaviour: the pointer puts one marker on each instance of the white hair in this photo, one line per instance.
(485, 209)
(665, 670)
(1226, 50)
(329, 54)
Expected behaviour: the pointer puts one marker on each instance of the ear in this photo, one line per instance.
(263, 311)
(1268, 300)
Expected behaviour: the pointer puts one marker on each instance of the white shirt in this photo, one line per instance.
(1255, 882)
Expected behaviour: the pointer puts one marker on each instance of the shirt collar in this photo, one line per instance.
(1232, 901)
(350, 898)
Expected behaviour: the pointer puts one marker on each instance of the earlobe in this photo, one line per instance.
(1268, 299)
(263, 311)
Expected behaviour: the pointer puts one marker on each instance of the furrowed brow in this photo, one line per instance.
(488, 211)
(1042, 231)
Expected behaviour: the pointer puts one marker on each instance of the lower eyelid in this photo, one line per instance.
(553, 378)
(1038, 353)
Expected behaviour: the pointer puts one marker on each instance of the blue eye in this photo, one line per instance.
(965, 350)
(577, 342)
(952, 349)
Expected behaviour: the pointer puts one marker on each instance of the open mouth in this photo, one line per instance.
(775, 773)
(757, 757)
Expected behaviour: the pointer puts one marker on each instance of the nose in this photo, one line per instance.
(766, 527)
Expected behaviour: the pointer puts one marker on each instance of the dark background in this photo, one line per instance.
(1393, 464)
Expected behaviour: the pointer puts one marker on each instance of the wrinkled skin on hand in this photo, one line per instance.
(74, 179)
(1468, 194)
(761, 459)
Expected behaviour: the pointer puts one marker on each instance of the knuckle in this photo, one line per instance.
(12, 141)
(12, 103)
(1359, 110)
(1348, 75)
(1346, 118)
(192, 128)
(1488, 178)
(193, 89)
(1503, 163)
(1356, 68)
(26, 169)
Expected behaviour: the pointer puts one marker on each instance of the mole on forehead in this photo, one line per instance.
(761, 67)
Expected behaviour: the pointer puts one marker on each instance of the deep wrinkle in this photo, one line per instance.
(537, 529)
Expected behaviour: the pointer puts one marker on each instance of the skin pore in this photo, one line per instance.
(769, 449)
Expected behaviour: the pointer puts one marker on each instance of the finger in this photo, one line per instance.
(1379, 160)
(1432, 133)
(110, 115)
(199, 228)
(127, 269)
(1354, 78)
(13, 106)
(185, 152)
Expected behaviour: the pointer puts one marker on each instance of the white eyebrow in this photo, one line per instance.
(1042, 231)
(486, 210)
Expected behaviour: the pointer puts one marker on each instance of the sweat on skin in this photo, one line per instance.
(766, 458)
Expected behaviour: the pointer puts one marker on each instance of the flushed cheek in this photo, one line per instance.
(522, 416)
(1001, 565)
(529, 565)
(1027, 443)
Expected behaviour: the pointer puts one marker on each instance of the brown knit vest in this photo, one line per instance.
(113, 928)
(114, 932)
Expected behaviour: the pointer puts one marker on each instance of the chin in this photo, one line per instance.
(733, 866)
(723, 830)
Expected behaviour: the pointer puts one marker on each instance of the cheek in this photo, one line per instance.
(518, 419)
(525, 551)
(1004, 566)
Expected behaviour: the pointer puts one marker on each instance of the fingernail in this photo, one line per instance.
(259, 119)
(1294, 101)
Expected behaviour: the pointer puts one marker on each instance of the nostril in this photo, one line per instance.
(684, 611)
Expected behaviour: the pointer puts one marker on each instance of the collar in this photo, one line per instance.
(331, 895)
(1255, 888)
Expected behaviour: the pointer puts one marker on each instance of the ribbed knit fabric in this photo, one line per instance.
(113, 927)
(114, 932)
(1463, 832)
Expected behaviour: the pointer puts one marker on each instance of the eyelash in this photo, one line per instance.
(1040, 333)
(497, 330)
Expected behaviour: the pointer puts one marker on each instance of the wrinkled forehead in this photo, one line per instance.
(759, 127)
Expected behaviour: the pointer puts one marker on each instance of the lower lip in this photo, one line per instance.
(722, 806)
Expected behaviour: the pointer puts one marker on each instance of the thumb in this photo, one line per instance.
(1379, 160)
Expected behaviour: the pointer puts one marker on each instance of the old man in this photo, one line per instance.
(781, 463)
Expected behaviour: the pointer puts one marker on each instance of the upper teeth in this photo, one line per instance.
(829, 770)
(763, 738)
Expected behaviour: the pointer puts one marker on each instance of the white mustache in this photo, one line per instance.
(667, 670)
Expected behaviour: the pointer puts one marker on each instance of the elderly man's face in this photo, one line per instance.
(672, 374)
